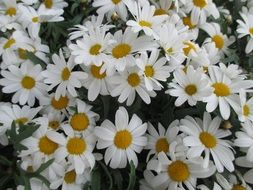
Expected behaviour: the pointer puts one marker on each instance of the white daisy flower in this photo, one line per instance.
(205, 136)
(62, 105)
(32, 19)
(225, 91)
(122, 140)
(9, 13)
(243, 162)
(159, 141)
(200, 10)
(29, 2)
(232, 183)
(20, 115)
(178, 172)
(127, 83)
(172, 43)
(145, 184)
(126, 44)
(17, 41)
(244, 138)
(233, 71)
(25, 82)
(70, 180)
(94, 22)
(144, 18)
(162, 7)
(52, 120)
(221, 41)
(111, 6)
(48, 5)
(153, 69)
(82, 119)
(90, 49)
(39, 146)
(191, 86)
(244, 109)
(245, 27)
(60, 74)
(97, 82)
(78, 149)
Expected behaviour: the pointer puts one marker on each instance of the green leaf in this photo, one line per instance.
(107, 174)
(96, 180)
(44, 166)
(118, 179)
(4, 180)
(132, 177)
(27, 132)
(36, 60)
(26, 182)
(4, 161)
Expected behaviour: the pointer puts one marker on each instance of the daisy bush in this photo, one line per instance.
(126, 94)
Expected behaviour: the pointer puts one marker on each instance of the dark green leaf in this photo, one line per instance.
(107, 174)
(96, 180)
(4, 180)
(4, 161)
(36, 60)
(132, 177)
(44, 166)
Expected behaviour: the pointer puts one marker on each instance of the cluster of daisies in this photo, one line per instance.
(154, 46)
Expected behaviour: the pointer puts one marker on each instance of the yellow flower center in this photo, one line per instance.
(11, 11)
(133, 79)
(79, 121)
(54, 124)
(29, 169)
(170, 51)
(95, 71)
(191, 89)
(48, 4)
(21, 120)
(123, 139)
(238, 187)
(219, 41)
(35, 19)
(159, 12)
(65, 74)
(200, 3)
(246, 110)
(70, 177)
(61, 103)
(94, 50)
(116, 1)
(144, 23)
(178, 171)
(47, 146)
(76, 146)
(251, 31)
(9, 43)
(22, 53)
(189, 46)
(208, 140)
(149, 71)
(121, 50)
(221, 89)
(162, 145)
(28, 82)
(187, 22)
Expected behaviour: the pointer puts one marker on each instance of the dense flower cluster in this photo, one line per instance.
(156, 48)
